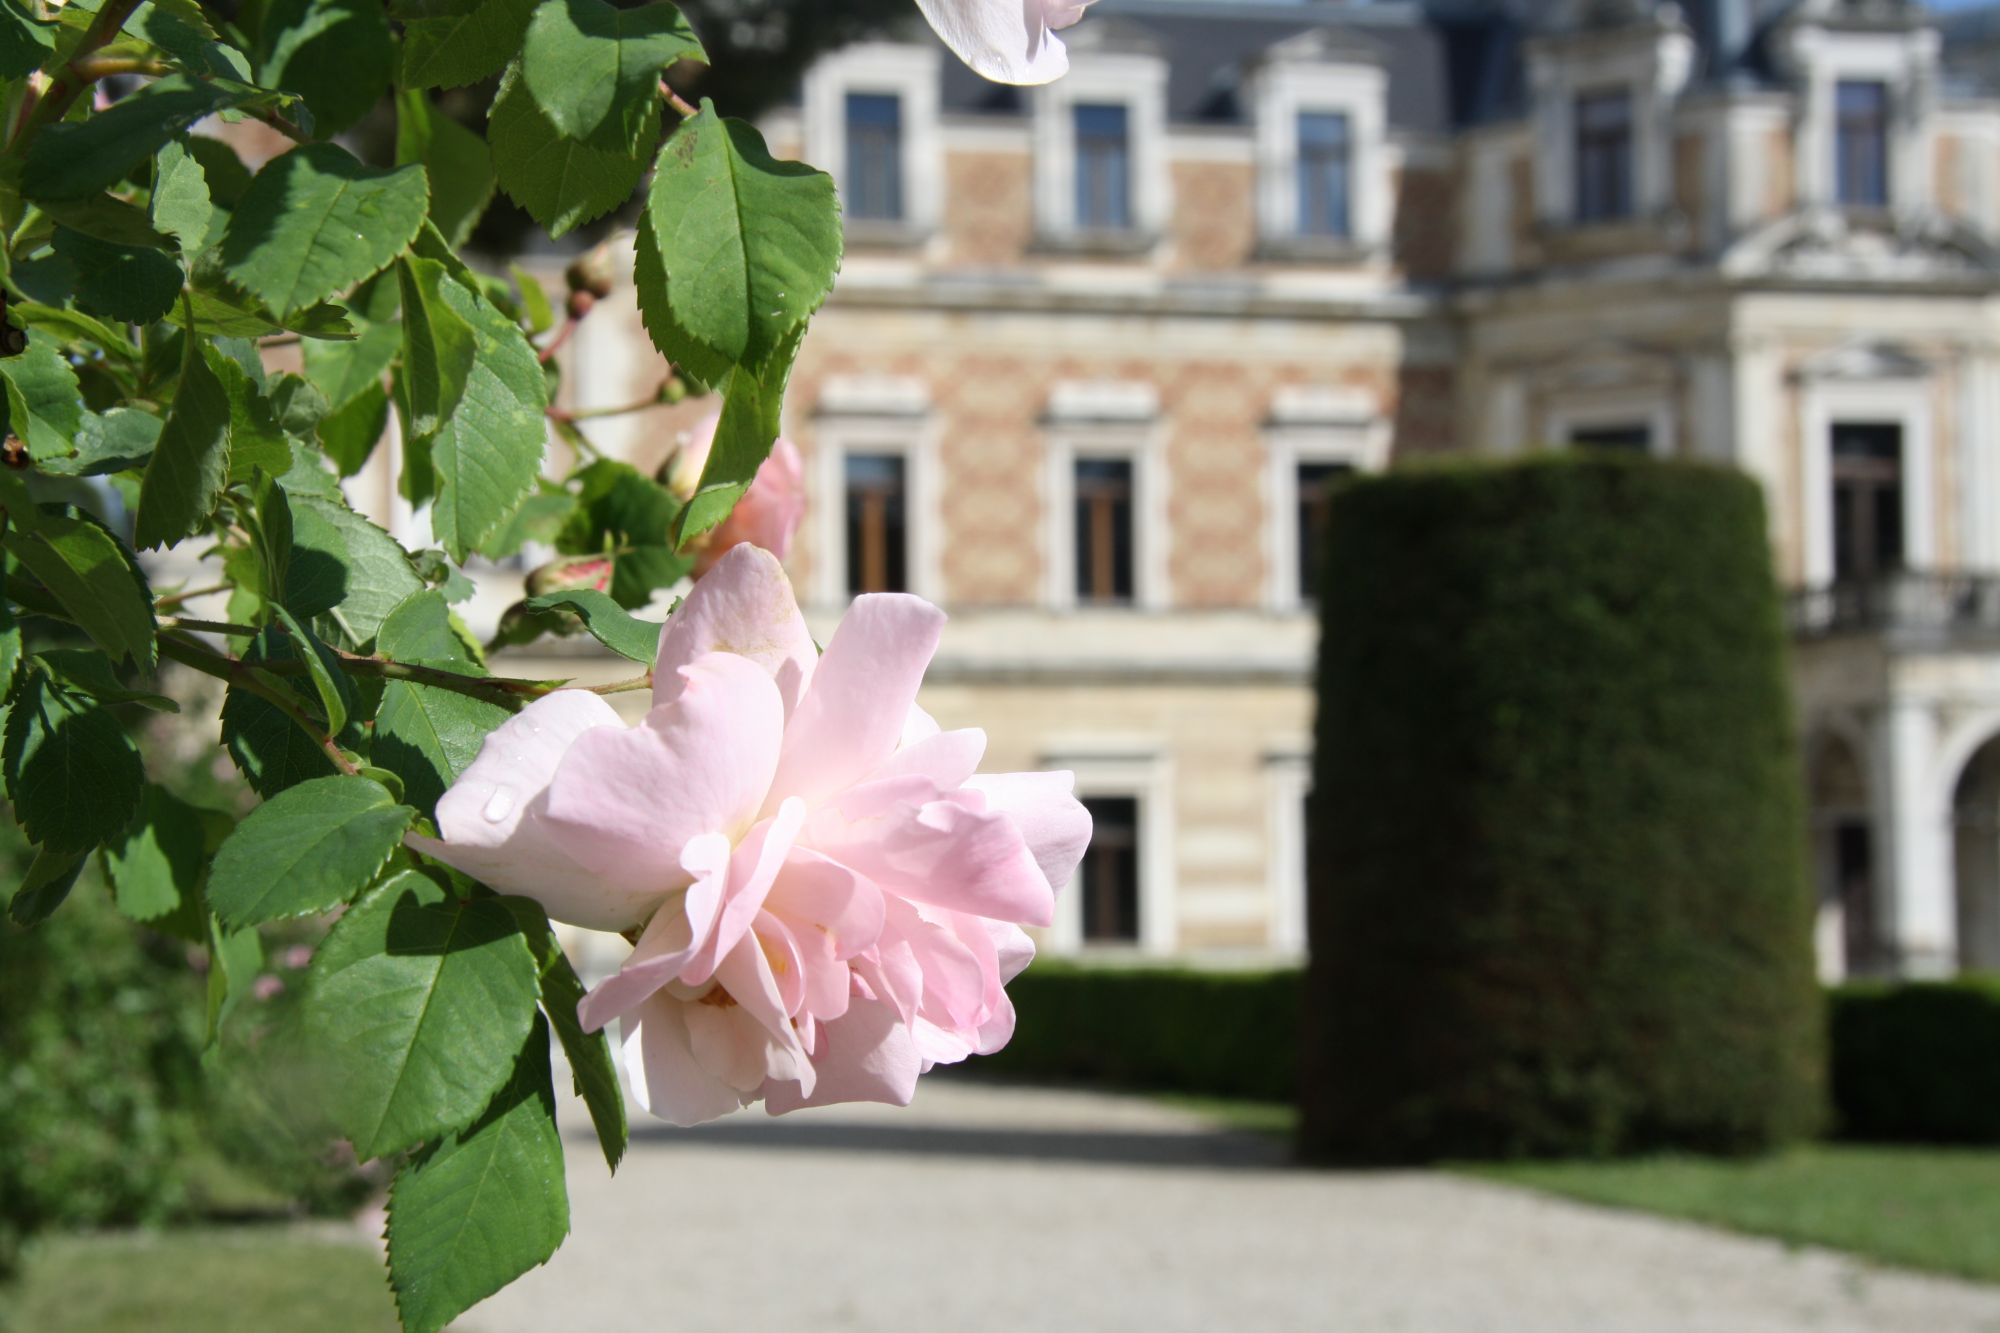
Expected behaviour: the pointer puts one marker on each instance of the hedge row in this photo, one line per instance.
(1916, 1062)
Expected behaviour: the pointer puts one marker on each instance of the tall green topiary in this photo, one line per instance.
(1558, 899)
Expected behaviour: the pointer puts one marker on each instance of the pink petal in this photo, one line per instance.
(949, 852)
(1008, 41)
(666, 1077)
(744, 606)
(840, 906)
(852, 717)
(865, 1056)
(1053, 822)
(669, 940)
(752, 867)
(626, 801)
(946, 758)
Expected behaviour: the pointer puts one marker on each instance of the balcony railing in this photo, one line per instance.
(1937, 607)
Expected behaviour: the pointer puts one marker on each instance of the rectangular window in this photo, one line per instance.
(1110, 871)
(1861, 143)
(1603, 156)
(874, 156)
(1103, 166)
(1315, 484)
(1867, 500)
(1325, 155)
(878, 535)
(1633, 438)
(1104, 530)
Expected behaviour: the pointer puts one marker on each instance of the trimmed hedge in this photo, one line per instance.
(1558, 903)
(1918, 1062)
(1169, 1029)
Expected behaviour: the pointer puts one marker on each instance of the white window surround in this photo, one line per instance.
(915, 437)
(1283, 90)
(911, 73)
(1907, 62)
(1652, 408)
(1654, 67)
(1144, 443)
(1905, 403)
(1133, 80)
(1287, 781)
(1142, 770)
(1311, 426)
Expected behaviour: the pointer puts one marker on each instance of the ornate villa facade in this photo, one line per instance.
(1098, 349)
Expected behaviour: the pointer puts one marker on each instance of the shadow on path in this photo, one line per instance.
(1212, 1149)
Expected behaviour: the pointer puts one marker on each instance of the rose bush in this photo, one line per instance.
(831, 898)
(771, 509)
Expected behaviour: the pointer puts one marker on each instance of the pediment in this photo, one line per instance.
(1865, 360)
(1830, 246)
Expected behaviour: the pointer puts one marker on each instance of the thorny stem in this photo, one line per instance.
(75, 76)
(384, 668)
(591, 413)
(239, 674)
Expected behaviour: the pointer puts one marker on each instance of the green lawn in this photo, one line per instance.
(1932, 1208)
(250, 1279)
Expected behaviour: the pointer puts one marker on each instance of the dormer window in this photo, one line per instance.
(874, 182)
(1325, 166)
(1103, 166)
(1861, 143)
(1604, 156)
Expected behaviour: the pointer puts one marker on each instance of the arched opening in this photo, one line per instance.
(1843, 852)
(1975, 825)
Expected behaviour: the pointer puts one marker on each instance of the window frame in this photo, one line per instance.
(1883, 128)
(1905, 403)
(835, 436)
(1140, 768)
(913, 74)
(1287, 784)
(1138, 82)
(1341, 158)
(1590, 143)
(897, 183)
(1356, 88)
(1311, 425)
(1143, 443)
(1652, 407)
(1120, 204)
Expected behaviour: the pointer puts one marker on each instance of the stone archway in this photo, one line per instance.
(1975, 826)
(1846, 931)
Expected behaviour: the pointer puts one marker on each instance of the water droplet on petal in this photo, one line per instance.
(498, 806)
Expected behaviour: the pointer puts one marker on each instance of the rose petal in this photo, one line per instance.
(666, 1077)
(745, 606)
(865, 1056)
(1008, 41)
(1053, 823)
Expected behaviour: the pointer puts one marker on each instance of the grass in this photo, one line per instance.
(1930, 1208)
(221, 1280)
(1278, 1119)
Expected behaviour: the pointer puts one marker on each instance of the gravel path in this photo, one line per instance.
(985, 1209)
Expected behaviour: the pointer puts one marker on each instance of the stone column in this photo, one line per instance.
(1913, 826)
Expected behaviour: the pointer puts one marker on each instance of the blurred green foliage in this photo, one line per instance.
(1917, 1062)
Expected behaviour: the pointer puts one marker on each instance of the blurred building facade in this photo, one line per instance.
(1098, 350)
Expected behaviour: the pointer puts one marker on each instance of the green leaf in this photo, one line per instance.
(72, 773)
(25, 43)
(270, 750)
(116, 441)
(44, 404)
(425, 734)
(155, 865)
(75, 329)
(344, 567)
(49, 879)
(457, 161)
(561, 182)
(122, 282)
(256, 440)
(487, 451)
(72, 161)
(750, 244)
(234, 959)
(227, 177)
(315, 222)
(593, 1073)
(323, 668)
(305, 850)
(607, 622)
(423, 1003)
(594, 70)
(225, 310)
(104, 218)
(349, 434)
(751, 404)
(535, 307)
(483, 1207)
(449, 43)
(190, 465)
(180, 204)
(182, 30)
(86, 671)
(345, 370)
(337, 54)
(439, 345)
(10, 644)
(89, 572)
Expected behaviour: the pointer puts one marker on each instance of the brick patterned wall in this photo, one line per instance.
(1780, 183)
(1215, 221)
(1426, 411)
(1426, 227)
(989, 214)
(1950, 200)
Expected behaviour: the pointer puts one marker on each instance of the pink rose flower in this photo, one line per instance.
(1008, 41)
(770, 510)
(831, 898)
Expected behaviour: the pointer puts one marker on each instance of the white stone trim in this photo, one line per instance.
(1907, 63)
(1142, 769)
(911, 73)
(1144, 443)
(1361, 441)
(835, 436)
(1653, 71)
(1979, 461)
(1287, 781)
(1280, 93)
(1905, 403)
(1137, 82)
(1652, 408)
